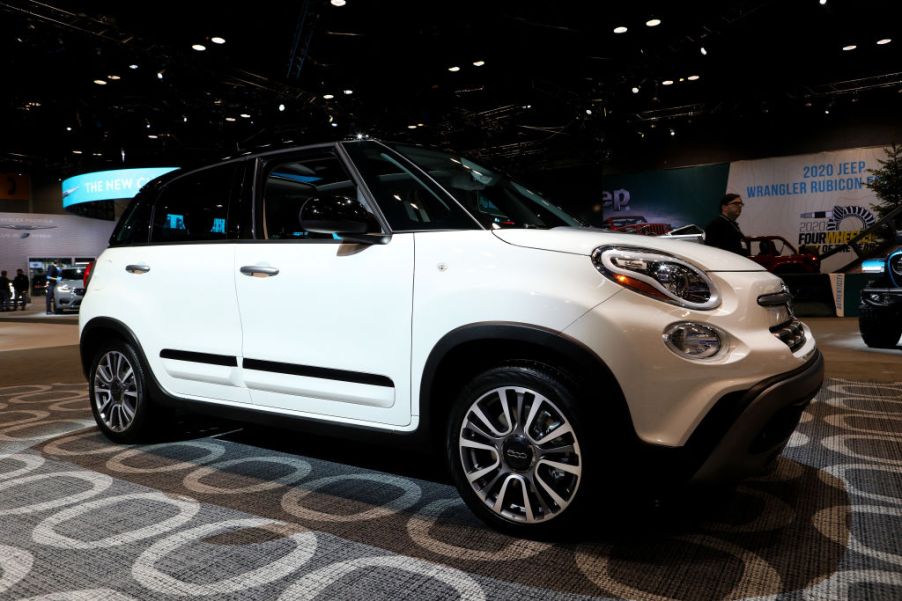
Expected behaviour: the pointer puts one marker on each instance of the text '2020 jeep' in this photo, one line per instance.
(416, 293)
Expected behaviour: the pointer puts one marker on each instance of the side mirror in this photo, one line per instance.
(342, 216)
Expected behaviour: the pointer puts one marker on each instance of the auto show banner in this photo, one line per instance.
(675, 196)
(818, 200)
(24, 235)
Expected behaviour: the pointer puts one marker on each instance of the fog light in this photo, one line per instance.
(693, 340)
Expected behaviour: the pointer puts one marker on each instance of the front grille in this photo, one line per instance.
(791, 333)
(80, 291)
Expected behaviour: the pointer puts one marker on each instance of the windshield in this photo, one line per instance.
(492, 198)
(72, 274)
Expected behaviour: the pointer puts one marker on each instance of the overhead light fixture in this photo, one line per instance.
(68, 128)
(826, 111)
(635, 90)
(328, 96)
(359, 136)
(693, 77)
(100, 82)
(653, 22)
(588, 111)
(411, 126)
(822, 2)
(217, 40)
(620, 29)
(849, 47)
(667, 82)
(245, 116)
(420, 125)
(682, 79)
(334, 124)
(133, 66)
(153, 136)
(113, 77)
(184, 119)
(454, 69)
(76, 152)
(198, 47)
(96, 154)
(703, 51)
(230, 119)
(347, 92)
(281, 108)
(478, 63)
(884, 41)
(672, 132)
(159, 75)
(338, 3)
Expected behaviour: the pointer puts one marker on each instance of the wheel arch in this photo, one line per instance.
(466, 351)
(99, 329)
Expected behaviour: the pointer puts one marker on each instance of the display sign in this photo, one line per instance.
(817, 200)
(14, 186)
(108, 185)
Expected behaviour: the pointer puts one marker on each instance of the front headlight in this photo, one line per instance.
(658, 275)
(63, 288)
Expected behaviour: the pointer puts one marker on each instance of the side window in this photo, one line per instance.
(134, 225)
(196, 207)
(290, 182)
(408, 203)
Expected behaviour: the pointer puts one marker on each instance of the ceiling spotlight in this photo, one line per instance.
(849, 47)
(184, 119)
(620, 29)
(653, 22)
(199, 47)
(454, 69)
(76, 152)
(153, 136)
(588, 111)
(230, 119)
(826, 111)
(281, 108)
(347, 92)
(420, 125)
(635, 90)
(96, 154)
(478, 63)
(328, 96)
(672, 132)
(884, 41)
(822, 2)
(703, 51)
(667, 82)
(133, 66)
(100, 82)
(338, 3)
(411, 126)
(245, 116)
(113, 77)
(334, 124)
(68, 128)
(682, 79)
(217, 40)
(159, 75)
(693, 77)
(359, 136)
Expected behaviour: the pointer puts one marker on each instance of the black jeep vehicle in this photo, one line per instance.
(880, 313)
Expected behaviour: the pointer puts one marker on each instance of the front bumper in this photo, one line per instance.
(746, 431)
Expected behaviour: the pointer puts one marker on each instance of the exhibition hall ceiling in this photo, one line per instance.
(96, 85)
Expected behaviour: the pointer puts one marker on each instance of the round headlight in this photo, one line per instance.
(693, 340)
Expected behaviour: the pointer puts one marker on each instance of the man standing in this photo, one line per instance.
(4, 291)
(723, 231)
(53, 276)
(20, 283)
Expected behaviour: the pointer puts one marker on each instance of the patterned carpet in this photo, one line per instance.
(217, 518)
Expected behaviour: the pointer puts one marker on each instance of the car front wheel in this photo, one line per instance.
(118, 393)
(517, 452)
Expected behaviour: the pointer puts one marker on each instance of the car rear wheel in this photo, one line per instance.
(517, 450)
(118, 393)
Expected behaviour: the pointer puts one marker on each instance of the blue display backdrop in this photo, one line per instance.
(108, 185)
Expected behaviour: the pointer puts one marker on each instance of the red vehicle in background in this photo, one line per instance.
(636, 224)
(778, 256)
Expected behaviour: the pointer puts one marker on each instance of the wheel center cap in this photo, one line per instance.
(116, 390)
(518, 453)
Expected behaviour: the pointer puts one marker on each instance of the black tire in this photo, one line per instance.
(118, 391)
(522, 471)
(879, 331)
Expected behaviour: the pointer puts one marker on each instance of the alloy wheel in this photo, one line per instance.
(115, 391)
(520, 454)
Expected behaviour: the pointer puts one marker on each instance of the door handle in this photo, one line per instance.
(259, 271)
(139, 269)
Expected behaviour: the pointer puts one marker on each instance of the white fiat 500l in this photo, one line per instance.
(367, 287)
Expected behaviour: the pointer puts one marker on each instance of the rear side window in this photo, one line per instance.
(196, 207)
(134, 225)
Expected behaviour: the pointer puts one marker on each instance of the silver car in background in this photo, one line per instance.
(69, 290)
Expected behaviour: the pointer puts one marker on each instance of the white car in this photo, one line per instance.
(363, 287)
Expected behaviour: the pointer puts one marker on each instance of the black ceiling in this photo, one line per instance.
(556, 85)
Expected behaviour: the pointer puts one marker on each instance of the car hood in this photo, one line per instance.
(583, 241)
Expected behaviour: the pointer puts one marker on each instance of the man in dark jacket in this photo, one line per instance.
(5, 291)
(20, 283)
(723, 231)
(53, 278)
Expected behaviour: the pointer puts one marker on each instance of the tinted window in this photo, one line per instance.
(72, 274)
(134, 225)
(289, 184)
(196, 207)
(408, 203)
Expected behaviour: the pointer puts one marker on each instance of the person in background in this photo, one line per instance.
(5, 291)
(723, 231)
(20, 284)
(53, 277)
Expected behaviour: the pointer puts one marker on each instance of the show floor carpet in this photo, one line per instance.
(216, 518)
